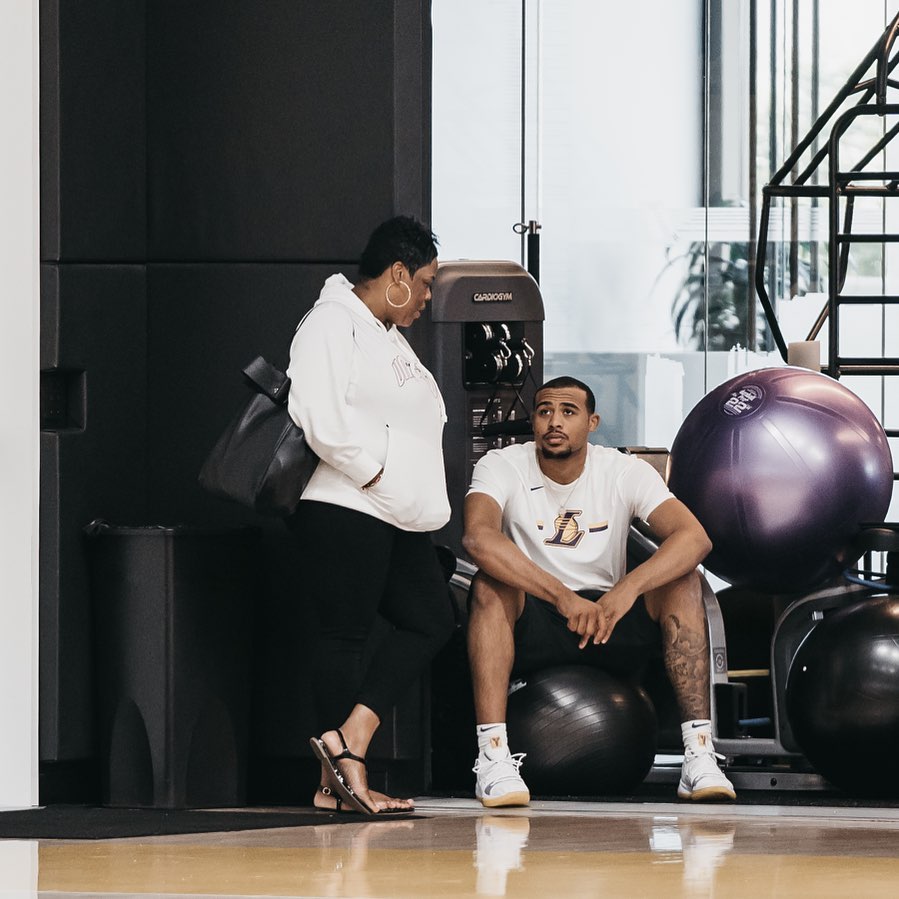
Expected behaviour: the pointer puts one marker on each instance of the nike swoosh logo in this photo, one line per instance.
(482, 730)
(694, 726)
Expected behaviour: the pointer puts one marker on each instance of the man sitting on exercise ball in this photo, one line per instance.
(546, 522)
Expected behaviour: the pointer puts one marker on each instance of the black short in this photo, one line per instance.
(542, 639)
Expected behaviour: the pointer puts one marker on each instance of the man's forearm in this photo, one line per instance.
(496, 555)
(677, 555)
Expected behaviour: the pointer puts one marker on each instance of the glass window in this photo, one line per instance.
(640, 137)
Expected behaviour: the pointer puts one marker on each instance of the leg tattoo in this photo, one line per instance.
(686, 651)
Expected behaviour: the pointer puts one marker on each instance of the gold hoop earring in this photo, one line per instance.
(408, 295)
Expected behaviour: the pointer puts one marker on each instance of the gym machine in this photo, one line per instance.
(487, 357)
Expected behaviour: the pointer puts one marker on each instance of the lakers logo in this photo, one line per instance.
(568, 531)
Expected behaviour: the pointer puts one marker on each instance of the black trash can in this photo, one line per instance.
(173, 629)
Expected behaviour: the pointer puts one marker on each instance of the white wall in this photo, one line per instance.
(19, 390)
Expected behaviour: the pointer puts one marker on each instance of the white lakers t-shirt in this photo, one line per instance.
(577, 532)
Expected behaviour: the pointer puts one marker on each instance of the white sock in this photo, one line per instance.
(492, 737)
(697, 735)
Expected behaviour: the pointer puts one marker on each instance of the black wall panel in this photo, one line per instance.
(270, 127)
(412, 107)
(93, 463)
(237, 154)
(93, 130)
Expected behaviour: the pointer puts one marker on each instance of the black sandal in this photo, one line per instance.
(325, 790)
(341, 789)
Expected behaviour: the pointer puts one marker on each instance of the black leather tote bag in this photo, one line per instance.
(262, 460)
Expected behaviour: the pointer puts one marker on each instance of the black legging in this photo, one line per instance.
(352, 567)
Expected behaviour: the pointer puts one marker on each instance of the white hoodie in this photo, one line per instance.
(365, 402)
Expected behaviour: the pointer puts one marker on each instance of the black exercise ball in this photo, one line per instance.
(843, 697)
(585, 732)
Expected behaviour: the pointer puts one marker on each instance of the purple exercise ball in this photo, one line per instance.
(781, 466)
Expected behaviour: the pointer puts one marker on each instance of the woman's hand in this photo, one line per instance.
(374, 480)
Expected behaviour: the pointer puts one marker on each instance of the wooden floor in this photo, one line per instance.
(458, 849)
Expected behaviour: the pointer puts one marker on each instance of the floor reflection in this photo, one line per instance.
(463, 852)
(500, 842)
(344, 862)
(698, 848)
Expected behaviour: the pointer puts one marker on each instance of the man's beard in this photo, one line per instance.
(555, 454)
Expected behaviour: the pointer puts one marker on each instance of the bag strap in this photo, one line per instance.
(265, 378)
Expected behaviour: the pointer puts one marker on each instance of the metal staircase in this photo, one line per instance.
(826, 178)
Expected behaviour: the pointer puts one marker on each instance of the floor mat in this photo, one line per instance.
(79, 822)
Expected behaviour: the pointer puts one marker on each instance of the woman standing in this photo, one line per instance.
(374, 415)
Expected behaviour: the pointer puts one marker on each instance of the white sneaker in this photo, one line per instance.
(498, 781)
(700, 776)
